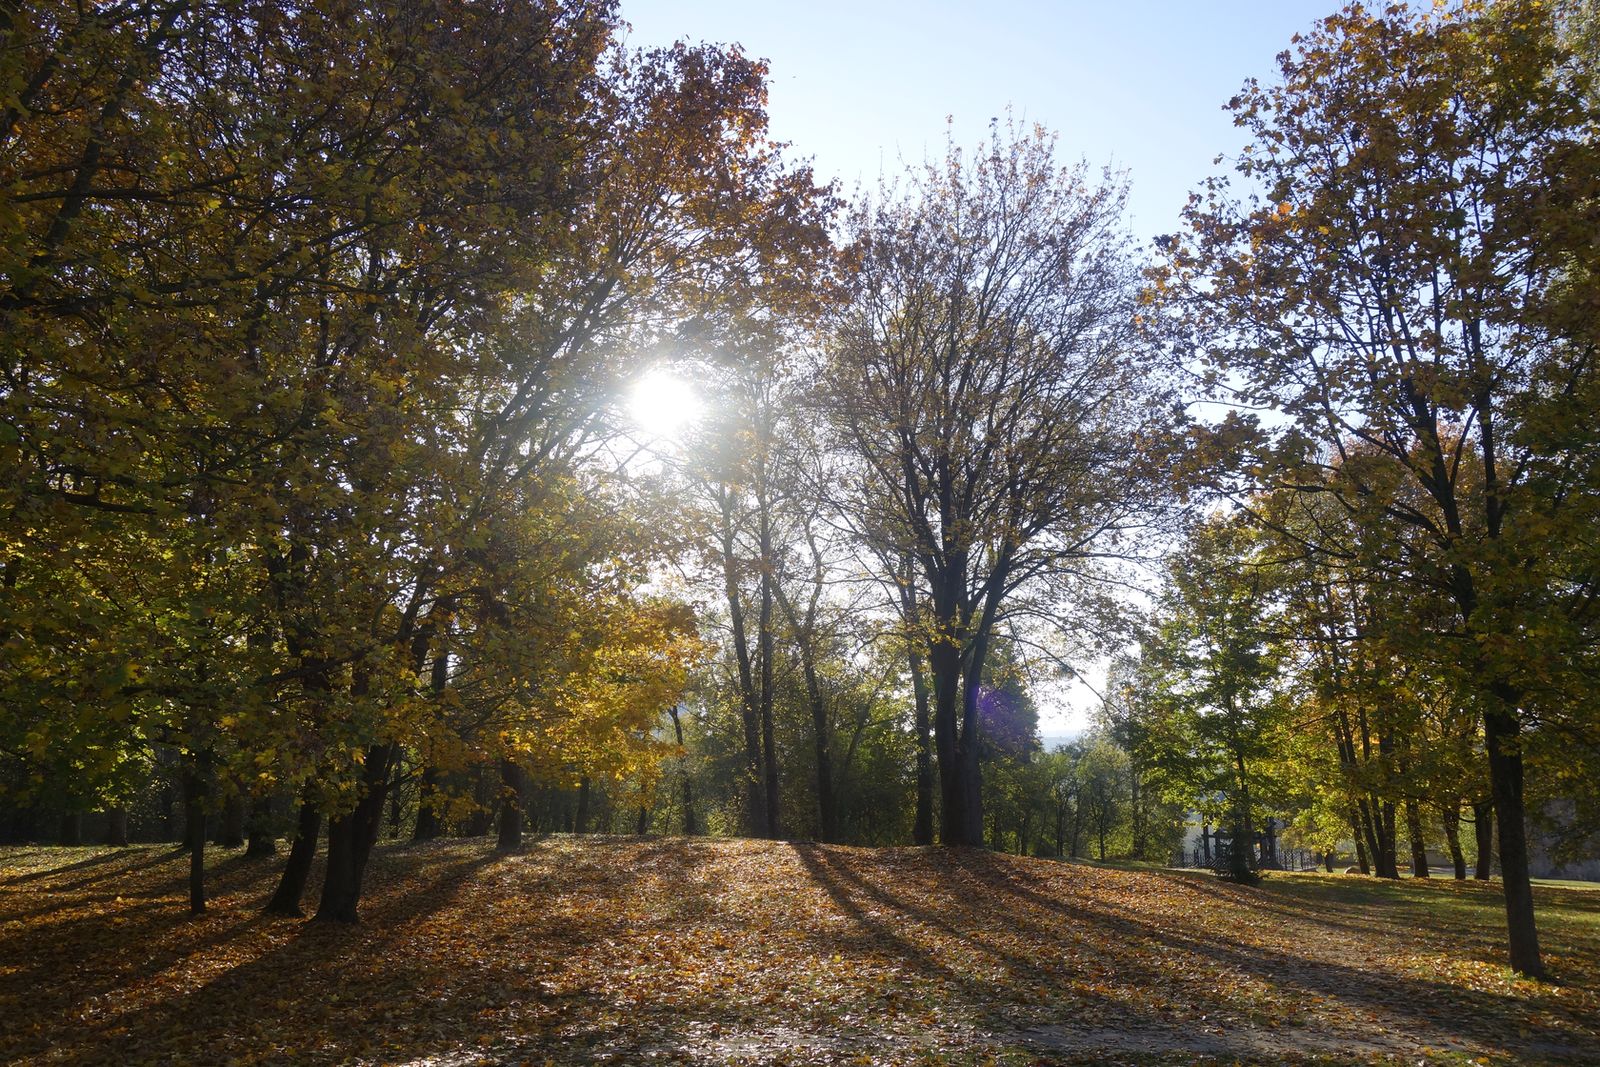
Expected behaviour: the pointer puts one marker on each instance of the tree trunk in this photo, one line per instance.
(1500, 727)
(1269, 849)
(427, 826)
(769, 748)
(969, 751)
(297, 869)
(341, 882)
(1385, 847)
(197, 875)
(1452, 835)
(1365, 827)
(1241, 846)
(1242, 824)
(1483, 833)
(1135, 805)
(691, 825)
(769, 745)
(749, 703)
(944, 663)
(71, 830)
(351, 837)
(922, 826)
(117, 827)
(195, 822)
(230, 828)
(1373, 820)
(510, 838)
(643, 825)
(260, 840)
(1359, 827)
(1419, 846)
(755, 794)
(580, 821)
(804, 630)
(827, 828)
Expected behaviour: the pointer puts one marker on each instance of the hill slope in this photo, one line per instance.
(671, 950)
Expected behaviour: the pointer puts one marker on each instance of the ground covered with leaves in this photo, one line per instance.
(635, 950)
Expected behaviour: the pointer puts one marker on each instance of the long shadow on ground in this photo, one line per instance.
(575, 950)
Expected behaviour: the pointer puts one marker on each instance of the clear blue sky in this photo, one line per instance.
(1140, 84)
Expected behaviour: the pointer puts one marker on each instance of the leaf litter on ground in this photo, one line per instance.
(672, 950)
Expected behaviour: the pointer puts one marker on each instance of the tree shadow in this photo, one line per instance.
(1427, 909)
(147, 857)
(1431, 1012)
(71, 925)
(465, 953)
(1014, 990)
(65, 970)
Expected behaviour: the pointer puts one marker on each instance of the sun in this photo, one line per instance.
(662, 404)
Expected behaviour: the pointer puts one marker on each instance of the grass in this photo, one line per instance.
(1568, 883)
(630, 950)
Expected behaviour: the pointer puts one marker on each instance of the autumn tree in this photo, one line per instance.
(238, 286)
(1410, 287)
(675, 177)
(790, 622)
(1009, 733)
(985, 385)
(742, 485)
(296, 364)
(1103, 796)
(1063, 797)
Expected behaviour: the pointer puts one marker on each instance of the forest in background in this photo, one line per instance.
(326, 517)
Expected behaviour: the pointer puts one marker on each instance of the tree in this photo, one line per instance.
(984, 385)
(1408, 290)
(393, 300)
(1212, 710)
(1064, 793)
(1156, 822)
(183, 188)
(1103, 776)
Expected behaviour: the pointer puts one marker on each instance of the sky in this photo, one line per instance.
(858, 87)
(861, 88)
